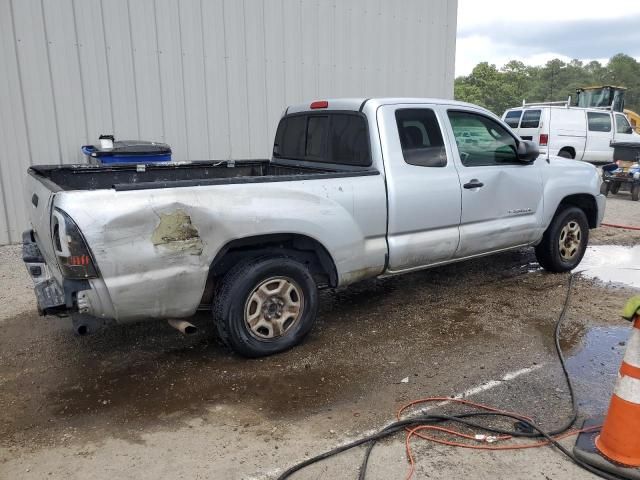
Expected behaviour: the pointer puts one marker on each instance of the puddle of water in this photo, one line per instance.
(594, 365)
(612, 263)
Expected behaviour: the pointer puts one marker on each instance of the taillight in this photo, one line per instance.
(544, 139)
(74, 257)
(79, 260)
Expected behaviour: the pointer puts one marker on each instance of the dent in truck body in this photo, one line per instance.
(145, 242)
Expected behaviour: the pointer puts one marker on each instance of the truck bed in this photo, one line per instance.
(135, 177)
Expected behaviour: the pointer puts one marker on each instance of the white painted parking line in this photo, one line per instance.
(491, 384)
(507, 377)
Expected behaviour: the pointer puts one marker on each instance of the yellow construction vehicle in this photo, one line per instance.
(609, 97)
(634, 119)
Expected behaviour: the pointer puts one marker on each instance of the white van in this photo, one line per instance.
(571, 132)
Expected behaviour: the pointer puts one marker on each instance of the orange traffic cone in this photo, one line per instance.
(616, 449)
(619, 439)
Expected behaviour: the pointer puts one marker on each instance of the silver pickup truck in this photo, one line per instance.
(356, 188)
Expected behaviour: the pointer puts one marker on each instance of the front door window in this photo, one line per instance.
(482, 141)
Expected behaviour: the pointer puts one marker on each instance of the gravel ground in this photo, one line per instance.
(142, 402)
(16, 294)
(621, 210)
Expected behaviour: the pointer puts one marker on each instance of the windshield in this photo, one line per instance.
(602, 97)
(593, 98)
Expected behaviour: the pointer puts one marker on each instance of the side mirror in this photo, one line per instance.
(527, 151)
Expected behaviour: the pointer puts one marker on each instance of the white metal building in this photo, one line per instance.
(209, 77)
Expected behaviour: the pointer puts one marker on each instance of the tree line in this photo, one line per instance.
(500, 88)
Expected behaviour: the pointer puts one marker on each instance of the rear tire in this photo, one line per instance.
(605, 188)
(615, 187)
(635, 192)
(265, 306)
(565, 154)
(565, 241)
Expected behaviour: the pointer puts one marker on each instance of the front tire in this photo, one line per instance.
(564, 242)
(635, 192)
(265, 306)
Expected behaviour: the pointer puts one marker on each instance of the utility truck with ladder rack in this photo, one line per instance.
(583, 131)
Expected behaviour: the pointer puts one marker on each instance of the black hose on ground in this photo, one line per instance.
(534, 430)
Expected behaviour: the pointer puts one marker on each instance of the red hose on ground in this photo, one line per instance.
(626, 227)
(481, 441)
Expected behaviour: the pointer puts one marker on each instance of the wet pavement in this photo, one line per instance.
(140, 401)
(613, 264)
(595, 363)
(142, 374)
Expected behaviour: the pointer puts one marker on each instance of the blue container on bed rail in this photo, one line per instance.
(122, 152)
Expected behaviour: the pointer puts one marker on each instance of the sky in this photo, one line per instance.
(534, 32)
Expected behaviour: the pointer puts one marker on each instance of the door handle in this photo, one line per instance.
(473, 184)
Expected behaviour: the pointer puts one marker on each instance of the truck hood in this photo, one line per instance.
(570, 164)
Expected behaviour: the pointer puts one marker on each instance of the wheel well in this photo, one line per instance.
(300, 247)
(584, 201)
(570, 150)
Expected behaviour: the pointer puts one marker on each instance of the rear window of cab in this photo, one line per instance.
(328, 137)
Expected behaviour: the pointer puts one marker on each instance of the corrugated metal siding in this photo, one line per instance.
(209, 77)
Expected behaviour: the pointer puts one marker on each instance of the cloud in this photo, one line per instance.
(573, 39)
(542, 12)
(472, 50)
(495, 31)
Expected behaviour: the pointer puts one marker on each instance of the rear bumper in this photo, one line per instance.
(50, 297)
(53, 298)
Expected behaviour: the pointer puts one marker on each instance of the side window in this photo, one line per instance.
(622, 125)
(530, 119)
(482, 141)
(512, 118)
(349, 143)
(599, 122)
(420, 137)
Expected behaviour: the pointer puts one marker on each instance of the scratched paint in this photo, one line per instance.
(175, 232)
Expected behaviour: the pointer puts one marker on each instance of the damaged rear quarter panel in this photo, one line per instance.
(154, 247)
